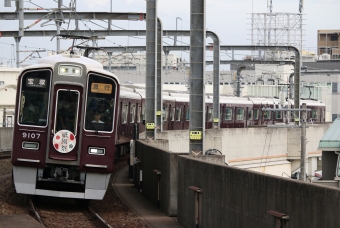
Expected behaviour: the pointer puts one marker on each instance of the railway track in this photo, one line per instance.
(69, 212)
(5, 154)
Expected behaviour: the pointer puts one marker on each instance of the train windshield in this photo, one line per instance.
(34, 97)
(101, 93)
(67, 106)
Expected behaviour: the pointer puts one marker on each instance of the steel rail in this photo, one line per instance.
(35, 212)
(94, 214)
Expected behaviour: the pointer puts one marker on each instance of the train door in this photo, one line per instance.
(171, 117)
(186, 117)
(131, 119)
(165, 114)
(209, 117)
(65, 118)
(177, 117)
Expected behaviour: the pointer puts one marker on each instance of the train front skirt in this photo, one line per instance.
(25, 181)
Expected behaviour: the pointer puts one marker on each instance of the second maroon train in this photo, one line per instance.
(235, 112)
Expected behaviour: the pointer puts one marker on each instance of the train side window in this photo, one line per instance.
(34, 98)
(315, 113)
(172, 114)
(187, 113)
(143, 112)
(210, 111)
(240, 114)
(256, 113)
(250, 114)
(278, 114)
(138, 113)
(178, 114)
(228, 114)
(132, 113)
(165, 113)
(125, 113)
(266, 114)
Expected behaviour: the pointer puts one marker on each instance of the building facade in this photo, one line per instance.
(329, 44)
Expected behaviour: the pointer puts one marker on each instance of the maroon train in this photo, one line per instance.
(65, 128)
(235, 112)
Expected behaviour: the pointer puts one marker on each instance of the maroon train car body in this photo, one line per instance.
(65, 128)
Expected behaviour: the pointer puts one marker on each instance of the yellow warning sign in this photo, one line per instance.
(150, 126)
(195, 135)
(101, 88)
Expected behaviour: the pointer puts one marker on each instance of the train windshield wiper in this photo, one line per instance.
(92, 125)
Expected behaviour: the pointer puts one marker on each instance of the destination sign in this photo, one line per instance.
(101, 88)
(36, 82)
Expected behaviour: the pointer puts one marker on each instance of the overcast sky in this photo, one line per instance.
(229, 19)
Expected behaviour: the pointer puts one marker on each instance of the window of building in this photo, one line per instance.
(2, 83)
(334, 87)
(334, 37)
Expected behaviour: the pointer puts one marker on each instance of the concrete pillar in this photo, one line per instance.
(197, 76)
(151, 54)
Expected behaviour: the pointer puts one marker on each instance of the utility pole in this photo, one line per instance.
(303, 126)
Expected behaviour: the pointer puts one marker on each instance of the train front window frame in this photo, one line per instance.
(67, 109)
(34, 86)
(101, 98)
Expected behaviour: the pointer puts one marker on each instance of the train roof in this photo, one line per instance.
(91, 64)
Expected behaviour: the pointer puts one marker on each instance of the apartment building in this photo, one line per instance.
(329, 43)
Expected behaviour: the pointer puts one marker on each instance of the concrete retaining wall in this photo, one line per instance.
(153, 158)
(232, 197)
(6, 138)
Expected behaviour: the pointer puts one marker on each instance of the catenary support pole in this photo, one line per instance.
(17, 41)
(58, 23)
(109, 53)
(303, 143)
(159, 97)
(151, 55)
(197, 76)
(297, 70)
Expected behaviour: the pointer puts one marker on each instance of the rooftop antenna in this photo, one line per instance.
(301, 6)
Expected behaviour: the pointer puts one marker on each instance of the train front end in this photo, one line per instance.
(65, 128)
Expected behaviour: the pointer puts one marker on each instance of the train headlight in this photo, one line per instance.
(70, 70)
(96, 151)
(30, 145)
